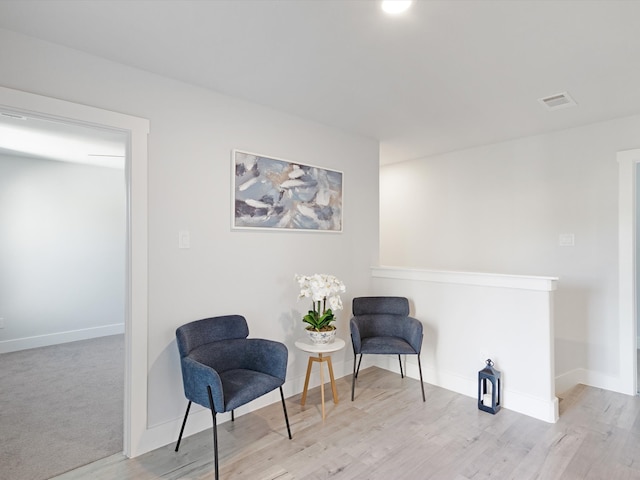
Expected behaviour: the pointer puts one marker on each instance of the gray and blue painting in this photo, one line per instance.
(271, 193)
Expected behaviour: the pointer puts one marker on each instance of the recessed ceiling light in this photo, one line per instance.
(394, 7)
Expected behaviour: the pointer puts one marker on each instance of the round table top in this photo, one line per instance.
(305, 345)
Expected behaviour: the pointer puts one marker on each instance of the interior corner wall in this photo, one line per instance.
(501, 208)
(62, 252)
(192, 134)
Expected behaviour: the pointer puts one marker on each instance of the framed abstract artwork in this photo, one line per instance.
(272, 193)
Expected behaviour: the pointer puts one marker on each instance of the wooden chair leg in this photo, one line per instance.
(184, 422)
(215, 433)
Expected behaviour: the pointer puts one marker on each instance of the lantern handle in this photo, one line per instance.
(489, 362)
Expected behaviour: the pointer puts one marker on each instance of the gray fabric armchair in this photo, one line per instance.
(382, 326)
(222, 369)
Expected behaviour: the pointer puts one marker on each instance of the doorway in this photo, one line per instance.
(136, 130)
(628, 269)
(62, 289)
(637, 270)
(63, 232)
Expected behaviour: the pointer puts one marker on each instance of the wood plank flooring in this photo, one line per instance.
(389, 433)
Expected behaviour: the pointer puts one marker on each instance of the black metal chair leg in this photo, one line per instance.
(184, 422)
(355, 374)
(286, 417)
(215, 433)
(400, 362)
(353, 377)
(233, 419)
(421, 381)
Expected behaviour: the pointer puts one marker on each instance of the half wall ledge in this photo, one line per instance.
(469, 317)
(526, 282)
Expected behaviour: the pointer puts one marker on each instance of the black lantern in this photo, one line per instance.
(489, 393)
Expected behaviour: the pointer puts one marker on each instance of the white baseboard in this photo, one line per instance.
(593, 379)
(606, 382)
(540, 408)
(546, 410)
(162, 434)
(570, 379)
(17, 344)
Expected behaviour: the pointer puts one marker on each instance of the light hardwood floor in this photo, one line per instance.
(389, 433)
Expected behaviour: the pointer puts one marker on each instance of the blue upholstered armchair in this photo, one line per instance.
(222, 369)
(382, 326)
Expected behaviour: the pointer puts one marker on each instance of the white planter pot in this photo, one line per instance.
(322, 338)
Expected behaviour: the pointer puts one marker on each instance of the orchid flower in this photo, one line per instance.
(322, 289)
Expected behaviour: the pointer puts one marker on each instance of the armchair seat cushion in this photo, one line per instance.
(241, 386)
(386, 346)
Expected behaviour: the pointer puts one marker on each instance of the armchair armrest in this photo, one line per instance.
(413, 333)
(266, 356)
(356, 339)
(196, 376)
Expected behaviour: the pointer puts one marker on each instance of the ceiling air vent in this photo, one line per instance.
(557, 101)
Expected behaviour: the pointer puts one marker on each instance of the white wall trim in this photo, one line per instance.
(627, 161)
(583, 376)
(570, 379)
(545, 284)
(17, 344)
(200, 417)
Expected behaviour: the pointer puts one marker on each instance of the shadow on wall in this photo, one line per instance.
(429, 352)
(571, 314)
(165, 381)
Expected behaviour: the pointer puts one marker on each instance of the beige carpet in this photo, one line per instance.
(60, 407)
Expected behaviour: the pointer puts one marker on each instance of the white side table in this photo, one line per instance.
(306, 346)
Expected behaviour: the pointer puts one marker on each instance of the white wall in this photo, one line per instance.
(192, 133)
(62, 252)
(501, 208)
(470, 317)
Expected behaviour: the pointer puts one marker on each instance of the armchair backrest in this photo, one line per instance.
(201, 332)
(380, 306)
(213, 346)
(381, 316)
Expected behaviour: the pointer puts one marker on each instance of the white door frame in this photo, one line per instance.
(136, 295)
(627, 305)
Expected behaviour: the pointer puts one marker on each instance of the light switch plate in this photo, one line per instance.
(184, 239)
(567, 240)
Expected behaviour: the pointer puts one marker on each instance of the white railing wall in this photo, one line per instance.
(470, 317)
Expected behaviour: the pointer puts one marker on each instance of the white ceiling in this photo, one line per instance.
(48, 139)
(444, 76)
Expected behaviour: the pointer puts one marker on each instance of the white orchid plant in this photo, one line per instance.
(322, 289)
